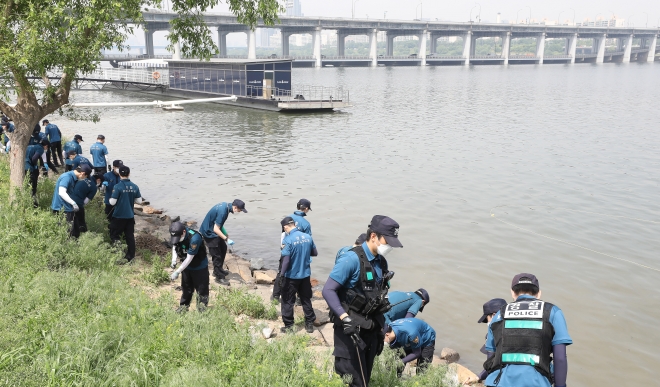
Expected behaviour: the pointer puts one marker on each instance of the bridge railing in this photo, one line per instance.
(586, 55)
(486, 57)
(562, 56)
(528, 57)
(136, 57)
(143, 76)
(300, 94)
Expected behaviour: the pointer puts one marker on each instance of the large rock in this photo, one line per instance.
(328, 334)
(151, 210)
(438, 362)
(463, 375)
(265, 277)
(256, 263)
(449, 355)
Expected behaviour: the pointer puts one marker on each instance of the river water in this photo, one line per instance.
(570, 151)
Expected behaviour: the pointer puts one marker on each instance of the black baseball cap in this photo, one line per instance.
(490, 307)
(176, 232)
(388, 228)
(45, 122)
(305, 203)
(71, 153)
(239, 204)
(525, 278)
(360, 240)
(124, 171)
(85, 168)
(100, 137)
(78, 137)
(287, 220)
(44, 142)
(425, 296)
(117, 163)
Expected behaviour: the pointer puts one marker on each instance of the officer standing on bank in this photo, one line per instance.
(297, 255)
(99, 153)
(524, 334)
(124, 195)
(188, 246)
(73, 145)
(356, 293)
(215, 239)
(406, 304)
(110, 179)
(32, 156)
(55, 137)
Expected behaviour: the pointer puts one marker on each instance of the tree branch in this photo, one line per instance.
(8, 110)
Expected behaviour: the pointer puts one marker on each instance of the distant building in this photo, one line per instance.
(614, 22)
(264, 37)
(293, 8)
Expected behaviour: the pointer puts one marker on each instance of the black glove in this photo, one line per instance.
(281, 282)
(381, 344)
(350, 327)
(109, 168)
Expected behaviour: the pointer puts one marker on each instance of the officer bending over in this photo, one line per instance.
(32, 156)
(108, 184)
(215, 239)
(83, 192)
(188, 246)
(356, 294)
(297, 255)
(62, 199)
(523, 336)
(406, 304)
(417, 339)
(124, 195)
(489, 308)
(73, 145)
(80, 159)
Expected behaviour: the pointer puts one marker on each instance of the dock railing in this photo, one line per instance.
(301, 94)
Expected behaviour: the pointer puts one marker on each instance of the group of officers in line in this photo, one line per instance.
(525, 342)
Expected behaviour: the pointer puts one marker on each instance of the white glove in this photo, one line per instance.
(173, 266)
(75, 207)
(174, 275)
(230, 242)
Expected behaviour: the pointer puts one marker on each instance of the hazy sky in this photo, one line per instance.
(638, 12)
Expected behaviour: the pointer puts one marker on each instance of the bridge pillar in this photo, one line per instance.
(434, 44)
(177, 51)
(652, 45)
(285, 43)
(506, 47)
(222, 42)
(473, 45)
(571, 47)
(317, 47)
(149, 42)
(540, 47)
(628, 49)
(341, 44)
(422, 47)
(252, 44)
(467, 41)
(390, 44)
(373, 47)
(599, 43)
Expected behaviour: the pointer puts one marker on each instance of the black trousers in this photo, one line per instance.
(69, 167)
(74, 226)
(100, 171)
(34, 178)
(194, 280)
(348, 356)
(56, 149)
(108, 211)
(291, 287)
(127, 228)
(80, 218)
(218, 250)
(423, 361)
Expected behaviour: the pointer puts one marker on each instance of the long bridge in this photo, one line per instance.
(468, 32)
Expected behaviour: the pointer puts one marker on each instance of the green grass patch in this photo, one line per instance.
(238, 302)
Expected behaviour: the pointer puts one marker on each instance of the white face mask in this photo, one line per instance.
(117, 171)
(384, 249)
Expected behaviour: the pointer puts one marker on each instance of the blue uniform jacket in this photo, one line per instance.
(53, 133)
(298, 246)
(109, 181)
(67, 180)
(347, 270)
(412, 303)
(216, 216)
(125, 192)
(83, 189)
(412, 333)
(98, 152)
(301, 223)
(80, 160)
(193, 245)
(71, 146)
(32, 155)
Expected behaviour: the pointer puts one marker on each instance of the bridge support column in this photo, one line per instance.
(652, 44)
(571, 47)
(540, 47)
(149, 42)
(599, 44)
(422, 47)
(341, 44)
(390, 44)
(373, 47)
(177, 51)
(317, 48)
(285, 43)
(222, 42)
(506, 47)
(467, 41)
(434, 44)
(473, 45)
(628, 49)
(252, 44)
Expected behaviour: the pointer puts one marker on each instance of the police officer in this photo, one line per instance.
(360, 240)
(80, 159)
(188, 246)
(489, 308)
(124, 195)
(216, 240)
(406, 304)
(297, 256)
(54, 135)
(62, 199)
(32, 155)
(526, 336)
(108, 184)
(99, 154)
(7, 127)
(417, 339)
(356, 293)
(37, 136)
(73, 145)
(83, 192)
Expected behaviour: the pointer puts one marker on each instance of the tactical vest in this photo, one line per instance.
(182, 247)
(523, 337)
(369, 298)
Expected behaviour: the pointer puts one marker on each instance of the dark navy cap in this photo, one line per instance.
(287, 220)
(78, 137)
(525, 278)
(124, 171)
(490, 307)
(305, 203)
(71, 153)
(239, 204)
(176, 232)
(45, 122)
(85, 168)
(386, 227)
(117, 163)
(360, 240)
(425, 296)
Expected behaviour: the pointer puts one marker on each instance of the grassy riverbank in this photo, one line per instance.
(69, 316)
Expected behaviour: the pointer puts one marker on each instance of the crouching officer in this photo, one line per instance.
(356, 293)
(83, 192)
(406, 304)
(527, 336)
(62, 199)
(489, 308)
(417, 339)
(188, 246)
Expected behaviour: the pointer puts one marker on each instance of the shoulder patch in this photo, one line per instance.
(416, 340)
(193, 246)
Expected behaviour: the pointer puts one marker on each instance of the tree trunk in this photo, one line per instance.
(19, 140)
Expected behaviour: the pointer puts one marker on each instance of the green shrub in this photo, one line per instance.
(240, 302)
(156, 275)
